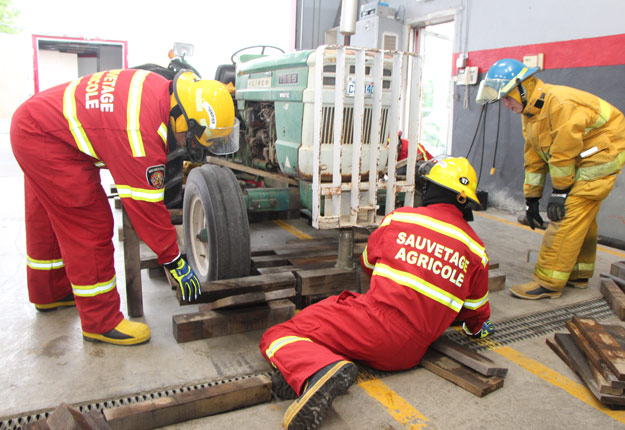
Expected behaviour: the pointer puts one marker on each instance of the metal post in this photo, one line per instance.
(345, 259)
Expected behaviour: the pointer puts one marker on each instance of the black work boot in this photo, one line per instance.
(309, 410)
(280, 388)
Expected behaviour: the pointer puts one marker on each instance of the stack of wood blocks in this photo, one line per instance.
(596, 353)
(613, 288)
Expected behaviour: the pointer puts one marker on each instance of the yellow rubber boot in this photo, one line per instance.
(533, 291)
(125, 333)
(64, 302)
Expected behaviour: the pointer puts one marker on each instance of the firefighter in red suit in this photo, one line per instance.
(428, 268)
(62, 137)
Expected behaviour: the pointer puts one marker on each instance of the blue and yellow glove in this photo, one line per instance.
(487, 328)
(187, 280)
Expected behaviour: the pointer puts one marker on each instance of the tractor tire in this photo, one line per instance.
(216, 227)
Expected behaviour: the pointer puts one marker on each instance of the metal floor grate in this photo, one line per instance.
(16, 422)
(510, 331)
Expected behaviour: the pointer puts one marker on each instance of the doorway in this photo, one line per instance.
(62, 59)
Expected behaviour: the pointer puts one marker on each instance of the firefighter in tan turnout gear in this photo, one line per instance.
(118, 120)
(579, 140)
(427, 267)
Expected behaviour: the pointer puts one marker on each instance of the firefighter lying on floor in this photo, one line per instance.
(61, 138)
(428, 268)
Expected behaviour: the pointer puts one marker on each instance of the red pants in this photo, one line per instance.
(345, 327)
(69, 227)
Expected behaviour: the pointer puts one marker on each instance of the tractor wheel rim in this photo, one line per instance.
(199, 247)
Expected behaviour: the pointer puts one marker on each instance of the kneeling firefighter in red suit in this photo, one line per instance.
(116, 119)
(428, 268)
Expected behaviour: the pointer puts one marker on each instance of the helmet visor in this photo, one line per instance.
(222, 141)
(491, 90)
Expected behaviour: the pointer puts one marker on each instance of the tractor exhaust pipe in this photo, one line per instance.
(349, 14)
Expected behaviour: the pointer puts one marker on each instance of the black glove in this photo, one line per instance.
(555, 205)
(532, 213)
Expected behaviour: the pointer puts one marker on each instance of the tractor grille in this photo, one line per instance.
(327, 127)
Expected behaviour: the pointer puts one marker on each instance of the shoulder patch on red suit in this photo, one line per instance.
(156, 176)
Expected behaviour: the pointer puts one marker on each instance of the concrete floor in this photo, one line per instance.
(45, 361)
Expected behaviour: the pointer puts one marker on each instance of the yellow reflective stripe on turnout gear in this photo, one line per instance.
(44, 264)
(365, 259)
(513, 82)
(95, 289)
(601, 170)
(604, 115)
(444, 228)
(133, 111)
(476, 303)
(535, 179)
(553, 274)
(561, 172)
(75, 127)
(142, 194)
(419, 285)
(282, 341)
(584, 267)
(162, 131)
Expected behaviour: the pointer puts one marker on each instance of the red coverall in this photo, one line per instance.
(428, 268)
(61, 138)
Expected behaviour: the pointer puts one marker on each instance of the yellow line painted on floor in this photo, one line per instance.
(516, 224)
(294, 231)
(575, 389)
(402, 411)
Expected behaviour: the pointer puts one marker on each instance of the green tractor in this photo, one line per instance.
(320, 127)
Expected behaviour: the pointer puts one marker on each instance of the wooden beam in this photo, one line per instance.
(251, 170)
(608, 348)
(208, 324)
(190, 405)
(215, 290)
(460, 374)
(132, 266)
(614, 296)
(618, 269)
(325, 281)
(470, 358)
(248, 299)
(293, 268)
(66, 417)
(496, 280)
(580, 366)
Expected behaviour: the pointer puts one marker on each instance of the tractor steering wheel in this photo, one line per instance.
(237, 54)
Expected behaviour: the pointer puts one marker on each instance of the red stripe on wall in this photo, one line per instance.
(594, 51)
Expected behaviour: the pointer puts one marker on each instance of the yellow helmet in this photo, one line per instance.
(454, 173)
(208, 112)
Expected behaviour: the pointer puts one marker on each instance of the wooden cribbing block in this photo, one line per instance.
(66, 417)
(460, 374)
(248, 299)
(40, 424)
(559, 352)
(216, 290)
(496, 280)
(618, 269)
(608, 348)
(281, 260)
(620, 282)
(96, 420)
(190, 405)
(313, 260)
(207, 324)
(493, 266)
(293, 268)
(580, 365)
(614, 296)
(325, 281)
(470, 358)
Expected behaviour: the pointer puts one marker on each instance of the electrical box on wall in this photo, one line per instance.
(535, 60)
(467, 76)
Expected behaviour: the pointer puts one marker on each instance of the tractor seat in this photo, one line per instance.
(225, 73)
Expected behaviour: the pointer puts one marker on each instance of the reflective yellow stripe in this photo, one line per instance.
(387, 220)
(44, 264)
(69, 111)
(282, 341)
(601, 170)
(365, 259)
(162, 131)
(553, 274)
(94, 290)
(605, 110)
(100, 164)
(142, 194)
(133, 112)
(477, 303)
(419, 285)
(513, 82)
(561, 172)
(584, 267)
(535, 179)
(444, 228)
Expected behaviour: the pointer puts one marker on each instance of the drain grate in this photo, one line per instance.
(510, 331)
(535, 325)
(17, 422)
